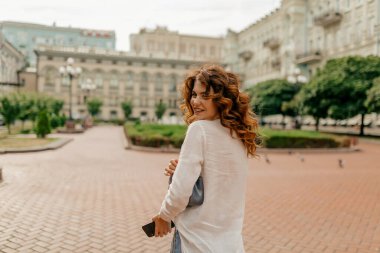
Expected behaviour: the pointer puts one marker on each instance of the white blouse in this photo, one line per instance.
(216, 225)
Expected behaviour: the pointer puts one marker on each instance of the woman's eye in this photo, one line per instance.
(194, 95)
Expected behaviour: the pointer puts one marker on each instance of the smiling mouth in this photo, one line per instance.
(197, 111)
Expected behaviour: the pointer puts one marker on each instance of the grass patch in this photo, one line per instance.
(11, 142)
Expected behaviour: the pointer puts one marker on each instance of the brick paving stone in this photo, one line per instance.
(94, 196)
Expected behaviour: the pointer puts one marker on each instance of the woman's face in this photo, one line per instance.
(204, 108)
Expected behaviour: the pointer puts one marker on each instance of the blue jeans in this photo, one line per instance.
(176, 243)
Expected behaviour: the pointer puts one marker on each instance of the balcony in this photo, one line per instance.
(328, 18)
(246, 55)
(310, 57)
(272, 43)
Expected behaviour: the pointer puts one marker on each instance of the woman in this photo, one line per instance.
(220, 138)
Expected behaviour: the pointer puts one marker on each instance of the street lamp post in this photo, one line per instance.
(88, 86)
(69, 71)
(296, 77)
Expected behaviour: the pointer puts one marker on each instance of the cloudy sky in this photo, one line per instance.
(200, 17)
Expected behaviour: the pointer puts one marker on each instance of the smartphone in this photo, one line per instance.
(150, 227)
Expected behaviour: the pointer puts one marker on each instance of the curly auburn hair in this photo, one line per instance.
(233, 106)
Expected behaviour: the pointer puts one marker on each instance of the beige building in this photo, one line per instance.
(11, 62)
(162, 43)
(303, 34)
(118, 76)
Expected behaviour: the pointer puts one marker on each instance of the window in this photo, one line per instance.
(192, 50)
(371, 25)
(114, 82)
(173, 83)
(113, 114)
(158, 84)
(212, 50)
(144, 82)
(203, 49)
(129, 84)
(182, 48)
(50, 77)
(98, 81)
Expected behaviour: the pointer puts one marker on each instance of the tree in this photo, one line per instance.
(269, 97)
(26, 105)
(160, 110)
(56, 106)
(314, 101)
(373, 97)
(43, 124)
(127, 107)
(93, 106)
(9, 109)
(339, 90)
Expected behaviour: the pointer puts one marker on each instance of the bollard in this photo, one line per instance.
(1, 174)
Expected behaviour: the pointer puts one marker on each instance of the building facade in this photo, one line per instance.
(303, 34)
(12, 61)
(26, 37)
(162, 43)
(118, 76)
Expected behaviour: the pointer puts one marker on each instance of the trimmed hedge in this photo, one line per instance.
(301, 139)
(153, 135)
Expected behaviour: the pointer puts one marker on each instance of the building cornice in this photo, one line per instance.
(104, 54)
(47, 27)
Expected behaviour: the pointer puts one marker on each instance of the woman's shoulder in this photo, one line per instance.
(204, 126)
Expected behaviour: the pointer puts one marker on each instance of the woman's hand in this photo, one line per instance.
(171, 167)
(162, 227)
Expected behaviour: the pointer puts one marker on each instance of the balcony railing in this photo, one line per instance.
(310, 57)
(328, 18)
(272, 43)
(246, 55)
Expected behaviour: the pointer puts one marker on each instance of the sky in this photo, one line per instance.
(196, 17)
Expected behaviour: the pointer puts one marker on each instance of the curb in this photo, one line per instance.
(51, 146)
(307, 150)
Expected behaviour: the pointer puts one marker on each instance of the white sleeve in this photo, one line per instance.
(186, 174)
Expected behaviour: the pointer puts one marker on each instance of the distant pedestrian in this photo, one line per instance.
(220, 138)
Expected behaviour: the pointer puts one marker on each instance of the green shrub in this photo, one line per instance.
(55, 121)
(299, 142)
(43, 124)
(62, 120)
(300, 139)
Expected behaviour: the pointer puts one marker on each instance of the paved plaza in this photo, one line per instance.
(93, 196)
